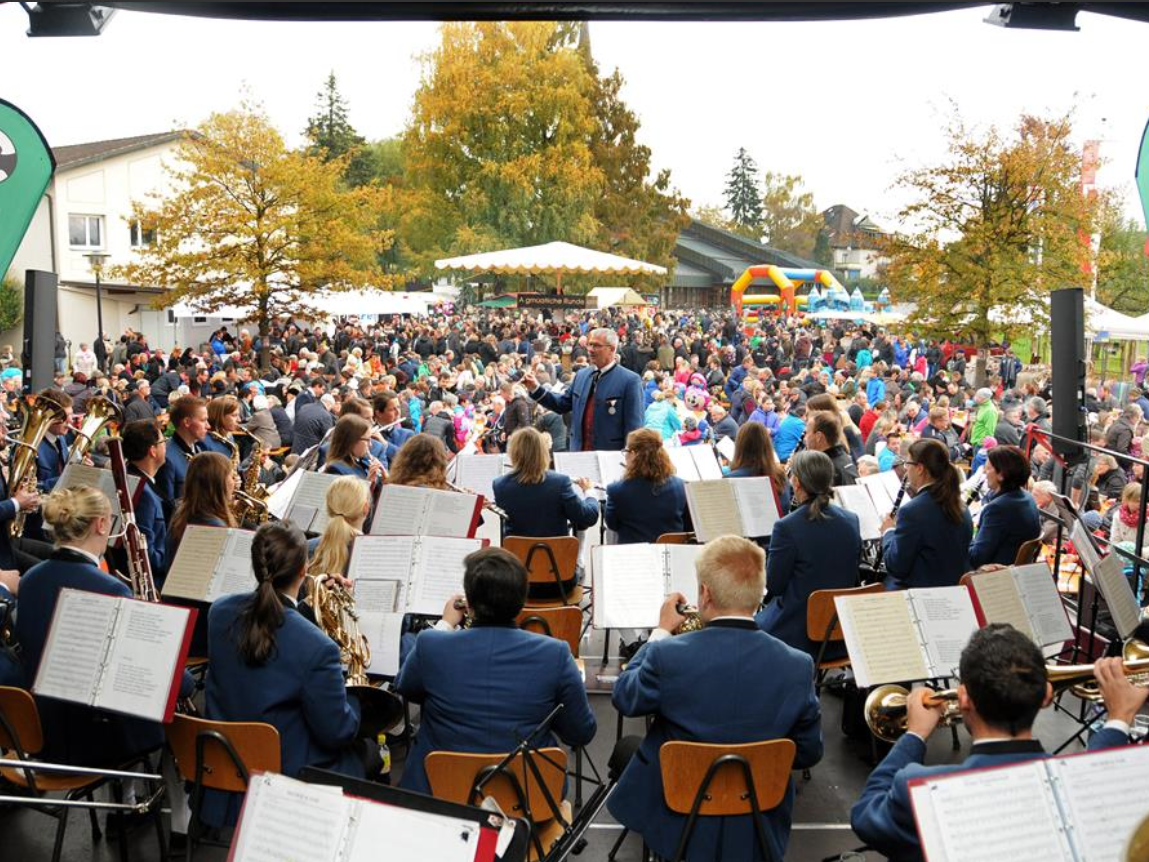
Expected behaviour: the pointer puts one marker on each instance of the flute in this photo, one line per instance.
(487, 504)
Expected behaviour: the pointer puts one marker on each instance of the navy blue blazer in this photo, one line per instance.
(1006, 521)
(883, 817)
(300, 691)
(806, 556)
(210, 444)
(8, 510)
(728, 683)
(11, 671)
(50, 460)
(150, 519)
(484, 689)
(170, 477)
(618, 406)
(639, 511)
(342, 468)
(551, 508)
(925, 548)
(74, 733)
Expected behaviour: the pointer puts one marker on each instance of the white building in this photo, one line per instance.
(855, 240)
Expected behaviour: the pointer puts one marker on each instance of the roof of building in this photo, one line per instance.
(75, 155)
(848, 227)
(709, 255)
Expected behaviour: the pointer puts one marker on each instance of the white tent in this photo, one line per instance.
(335, 304)
(556, 257)
(1103, 322)
(624, 297)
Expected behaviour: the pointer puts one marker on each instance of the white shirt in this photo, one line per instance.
(660, 633)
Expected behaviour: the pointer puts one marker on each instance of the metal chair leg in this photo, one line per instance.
(617, 846)
(93, 819)
(60, 828)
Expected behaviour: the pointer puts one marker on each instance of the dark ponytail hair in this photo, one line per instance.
(278, 555)
(815, 473)
(945, 481)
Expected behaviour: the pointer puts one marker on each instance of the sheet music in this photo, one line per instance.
(856, 499)
(947, 621)
(999, 814)
(190, 574)
(997, 593)
(409, 834)
(478, 473)
(713, 509)
(377, 596)
(1109, 575)
(400, 511)
(1083, 543)
(77, 646)
(311, 497)
(611, 467)
(141, 665)
(684, 465)
(725, 448)
(383, 632)
(450, 514)
(580, 465)
(374, 557)
(233, 572)
(1043, 603)
(705, 462)
(683, 574)
(629, 585)
(439, 573)
(881, 638)
(757, 505)
(883, 489)
(85, 474)
(1107, 794)
(285, 820)
(280, 499)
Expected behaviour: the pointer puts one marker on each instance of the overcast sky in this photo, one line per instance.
(847, 105)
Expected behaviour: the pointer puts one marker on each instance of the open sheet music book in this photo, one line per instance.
(406, 511)
(735, 507)
(307, 508)
(211, 562)
(397, 575)
(282, 494)
(1026, 597)
(857, 499)
(1108, 573)
(602, 468)
(115, 653)
(1077, 808)
(632, 581)
(96, 477)
(284, 820)
(694, 463)
(478, 472)
(883, 488)
(906, 635)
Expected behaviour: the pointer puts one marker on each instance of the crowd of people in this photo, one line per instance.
(808, 405)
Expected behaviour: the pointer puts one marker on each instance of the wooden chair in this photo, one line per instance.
(704, 780)
(822, 626)
(22, 737)
(1028, 552)
(563, 623)
(551, 568)
(675, 539)
(219, 755)
(454, 776)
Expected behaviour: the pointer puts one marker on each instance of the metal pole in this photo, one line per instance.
(99, 308)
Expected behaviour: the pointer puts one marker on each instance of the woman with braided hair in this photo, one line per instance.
(268, 663)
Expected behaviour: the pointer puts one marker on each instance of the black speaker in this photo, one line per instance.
(39, 351)
(1067, 318)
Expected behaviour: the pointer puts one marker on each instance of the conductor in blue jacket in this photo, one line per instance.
(1010, 517)
(729, 683)
(1004, 685)
(486, 688)
(604, 400)
(927, 543)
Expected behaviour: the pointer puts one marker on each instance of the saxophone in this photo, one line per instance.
(247, 508)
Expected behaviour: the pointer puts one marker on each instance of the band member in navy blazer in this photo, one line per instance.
(604, 400)
(538, 501)
(270, 664)
(754, 456)
(144, 450)
(486, 688)
(22, 553)
(189, 417)
(816, 547)
(350, 450)
(729, 683)
(81, 519)
(11, 671)
(1009, 518)
(927, 544)
(1003, 687)
(650, 500)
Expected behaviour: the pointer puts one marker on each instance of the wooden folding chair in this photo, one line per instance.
(563, 623)
(219, 755)
(704, 780)
(454, 776)
(675, 539)
(822, 626)
(1028, 552)
(551, 565)
(21, 737)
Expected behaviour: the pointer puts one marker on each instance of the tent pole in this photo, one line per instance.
(559, 282)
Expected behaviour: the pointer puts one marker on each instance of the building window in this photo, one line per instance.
(142, 237)
(85, 231)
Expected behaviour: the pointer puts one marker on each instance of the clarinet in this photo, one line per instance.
(898, 499)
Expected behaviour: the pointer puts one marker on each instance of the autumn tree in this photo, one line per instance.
(790, 221)
(744, 196)
(255, 225)
(1122, 261)
(992, 230)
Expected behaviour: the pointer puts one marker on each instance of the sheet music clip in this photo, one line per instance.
(499, 821)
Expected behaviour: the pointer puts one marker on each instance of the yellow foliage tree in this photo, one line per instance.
(256, 225)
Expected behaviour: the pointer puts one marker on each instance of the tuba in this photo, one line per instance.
(101, 411)
(39, 412)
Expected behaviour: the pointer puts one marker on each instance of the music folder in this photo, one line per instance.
(1026, 597)
(857, 499)
(211, 562)
(733, 507)
(405, 511)
(330, 818)
(694, 463)
(76, 474)
(115, 653)
(906, 635)
(1077, 808)
(1108, 573)
(601, 467)
(632, 581)
(477, 473)
(307, 508)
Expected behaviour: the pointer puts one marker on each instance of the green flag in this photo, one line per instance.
(1143, 173)
(26, 167)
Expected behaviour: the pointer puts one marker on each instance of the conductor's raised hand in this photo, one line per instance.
(668, 616)
(530, 381)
